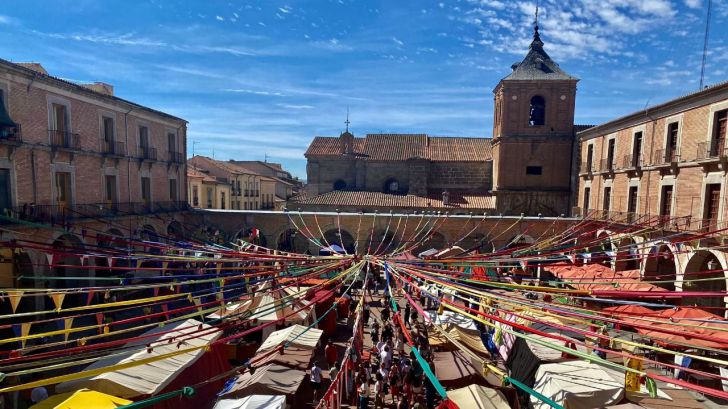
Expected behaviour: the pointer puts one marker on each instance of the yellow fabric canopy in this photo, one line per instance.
(81, 399)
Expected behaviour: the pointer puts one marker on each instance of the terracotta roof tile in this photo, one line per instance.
(379, 199)
(394, 147)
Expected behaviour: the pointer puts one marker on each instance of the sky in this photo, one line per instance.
(259, 79)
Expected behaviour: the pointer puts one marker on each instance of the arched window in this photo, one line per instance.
(537, 114)
(391, 186)
(339, 185)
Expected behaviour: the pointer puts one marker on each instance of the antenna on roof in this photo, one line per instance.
(705, 43)
(266, 158)
(347, 119)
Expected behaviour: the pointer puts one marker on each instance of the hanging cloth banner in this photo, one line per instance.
(90, 297)
(632, 379)
(24, 331)
(165, 264)
(57, 299)
(67, 324)
(15, 297)
(84, 260)
(49, 257)
(156, 291)
(110, 260)
(99, 320)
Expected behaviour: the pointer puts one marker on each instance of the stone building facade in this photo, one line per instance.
(668, 161)
(67, 148)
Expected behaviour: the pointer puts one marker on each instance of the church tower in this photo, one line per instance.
(533, 136)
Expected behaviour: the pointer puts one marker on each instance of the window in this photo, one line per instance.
(534, 170)
(610, 154)
(339, 185)
(589, 158)
(607, 198)
(537, 113)
(666, 201)
(391, 186)
(222, 200)
(195, 196)
(671, 152)
(171, 142)
(587, 192)
(146, 191)
(246, 205)
(632, 199)
(110, 194)
(173, 190)
(637, 150)
(5, 195)
(63, 189)
(143, 136)
(717, 146)
(59, 133)
(210, 197)
(712, 206)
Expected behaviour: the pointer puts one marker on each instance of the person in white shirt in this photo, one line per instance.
(363, 393)
(315, 381)
(385, 357)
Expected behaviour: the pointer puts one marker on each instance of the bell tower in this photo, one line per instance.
(533, 136)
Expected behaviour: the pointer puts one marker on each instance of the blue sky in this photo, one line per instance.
(264, 77)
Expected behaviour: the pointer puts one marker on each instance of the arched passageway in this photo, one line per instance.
(292, 241)
(341, 238)
(708, 273)
(660, 266)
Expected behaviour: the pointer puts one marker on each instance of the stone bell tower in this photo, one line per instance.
(533, 136)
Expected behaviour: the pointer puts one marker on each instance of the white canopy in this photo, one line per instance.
(478, 397)
(449, 318)
(307, 339)
(153, 377)
(576, 385)
(253, 402)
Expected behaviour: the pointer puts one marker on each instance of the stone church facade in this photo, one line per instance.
(527, 167)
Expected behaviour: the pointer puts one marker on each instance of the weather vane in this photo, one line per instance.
(536, 20)
(347, 119)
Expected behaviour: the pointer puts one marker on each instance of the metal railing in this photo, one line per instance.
(113, 148)
(64, 139)
(632, 162)
(607, 165)
(586, 167)
(666, 156)
(147, 153)
(55, 214)
(710, 150)
(175, 157)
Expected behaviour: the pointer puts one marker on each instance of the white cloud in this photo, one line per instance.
(694, 4)
(398, 41)
(219, 18)
(254, 92)
(294, 106)
(6, 19)
(284, 9)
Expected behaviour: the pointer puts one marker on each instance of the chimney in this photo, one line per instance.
(446, 198)
(101, 88)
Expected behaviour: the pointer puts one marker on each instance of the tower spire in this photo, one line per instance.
(347, 119)
(536, 43)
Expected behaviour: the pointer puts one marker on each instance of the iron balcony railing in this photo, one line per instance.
(175, 157)
(586, 167)
(58, 214)
(666, 156)
(632, 162)
(115, 148)
(64, 139)
(607, 165)
(147, 153)
(711, 150)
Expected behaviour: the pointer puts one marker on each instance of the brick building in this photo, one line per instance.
(206, 191)
(526, 168)
(668, 160)
(67, 148)
(405, 171)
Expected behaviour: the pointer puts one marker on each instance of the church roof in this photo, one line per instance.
(397, 147)
(537, 65)
(457, 200)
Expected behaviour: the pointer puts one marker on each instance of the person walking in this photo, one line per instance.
(407, 312)
(363, 392)
(394, 383)
(332, 355)
(379, 392)
(315, 381)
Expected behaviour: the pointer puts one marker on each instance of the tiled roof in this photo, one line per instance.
(379, 199)
(397, 147)
(204, 162)
(537, 65)
(195, 173)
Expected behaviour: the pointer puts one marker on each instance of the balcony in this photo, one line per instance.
(113, 148)
(607, 165)
(710, 151)
(175, 157)
(667, 157)
(235, 191)
(586, 168)
(64, 139)
(57, 214)
(631, 162)
(147, 153)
